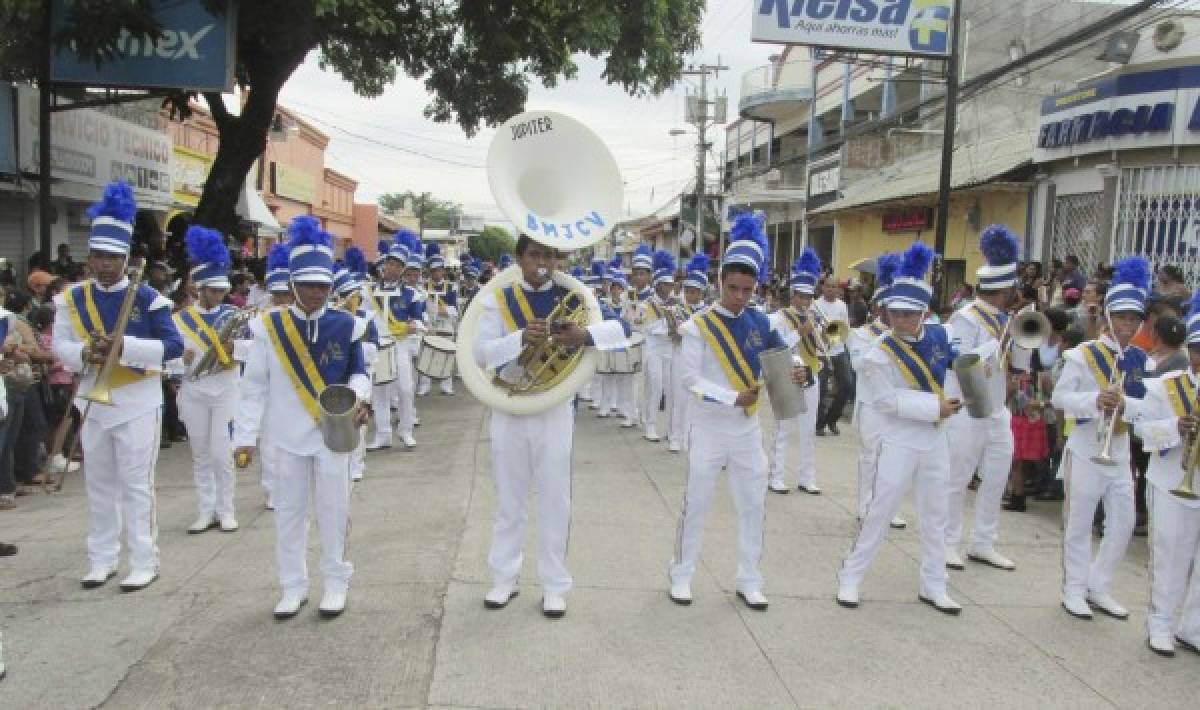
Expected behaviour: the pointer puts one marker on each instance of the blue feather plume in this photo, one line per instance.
(432, 250)
(615, 263)
(356, 261)
(1133, 270)
(748, 227)
(118, 203)
(577, 272)
(699, 263)
(886, 267)
(306, 230)
(405, 238)
(206, 246)
(916, 261)
(382, 248)
(808, 263)
(644, 250)
(277, 258)
(664, 260)
(598, 268)
(1193, 306)
(418, 248)
(999, 245)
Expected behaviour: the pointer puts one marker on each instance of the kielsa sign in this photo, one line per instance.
(906, 27)
(912, 219)
(195, 51)
(1137, 110)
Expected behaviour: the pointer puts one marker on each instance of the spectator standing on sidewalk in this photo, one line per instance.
(835, 380)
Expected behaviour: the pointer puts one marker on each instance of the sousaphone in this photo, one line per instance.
(558, 183)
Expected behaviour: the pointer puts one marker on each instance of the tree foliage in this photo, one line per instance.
(477, 58)
(489, 244)
(432, 212)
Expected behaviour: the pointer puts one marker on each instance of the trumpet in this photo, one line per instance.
(1104, 432)
(1191, 461)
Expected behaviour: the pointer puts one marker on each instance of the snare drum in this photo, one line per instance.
(627, 361)
(386, 364)
(435, 359)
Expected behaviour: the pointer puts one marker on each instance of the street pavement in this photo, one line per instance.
(416, 632)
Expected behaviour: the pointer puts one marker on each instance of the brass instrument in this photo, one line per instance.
(351, 303)
(1104, 432)
(828, 334)
(1190, 462)
(101, 392)
(545, 364)
(1028, 329)
(216, 359)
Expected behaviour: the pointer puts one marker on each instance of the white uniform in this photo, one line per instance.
(401, 391)
(1088, 483)
(677, 431)
(530, 451)
(1175, 541)
(442, 324)
(986, 444)
(270, 405)
(802, 427)
(657, 353)
(912, 448)
(867, 419)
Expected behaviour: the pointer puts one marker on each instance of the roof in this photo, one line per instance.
(974, 164)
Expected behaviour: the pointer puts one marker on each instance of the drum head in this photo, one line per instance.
(437, 342)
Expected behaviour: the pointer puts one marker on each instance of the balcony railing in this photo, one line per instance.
(770, 92)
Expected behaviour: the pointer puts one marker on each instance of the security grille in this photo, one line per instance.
(1158, 217)
(1077, 227)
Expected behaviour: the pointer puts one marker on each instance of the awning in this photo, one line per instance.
(974, 164)
(251, 208)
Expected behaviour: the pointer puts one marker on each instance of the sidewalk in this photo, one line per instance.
(416, 632)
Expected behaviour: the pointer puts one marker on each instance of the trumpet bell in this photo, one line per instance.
(1030, 329)
(555, 179)
(836, 333)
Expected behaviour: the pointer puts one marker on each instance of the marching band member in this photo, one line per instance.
(904, 375)
(795, 326)
(721, 368)
(443, 301)
(640, 272)
(594, 279)
(534, 448)
(1088, 391)
(1169, 424)
(695, 283)
(348, 284)
(860, 342)
(658, 348)
(471, 269)
(206, 404)
(411, 345)
(983, 445)
(297, 352)
(398, 309)
(279, 286)
(620, 399)
(120, 442)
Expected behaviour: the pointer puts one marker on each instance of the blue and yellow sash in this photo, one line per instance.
(193, 325)
(296, 360)
(85, 317)
(994, 324)
(515, 308)
(397, 328)
(1102, 362)
(914, 368)
(729, 354)
(1181, 392)
(653, 312)
(808, 343)
(876, 329)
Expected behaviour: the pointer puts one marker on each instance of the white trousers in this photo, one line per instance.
(358, 457)
(984, 445)
(324, 478)
(268, 464)
(1087, 485)
(527, 451)
(801, 429)
(446, 384)
(898, 467)
(712, 446)
(119, 474)
(618, 394)
(870, 434)
(656, 380)
(677, 430)
(207, 419)
(1175, 555)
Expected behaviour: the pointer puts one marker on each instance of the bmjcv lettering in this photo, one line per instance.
(530, 128)
(567, 230)
(887, 12)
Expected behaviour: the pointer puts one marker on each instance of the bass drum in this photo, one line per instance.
(479, 381)
(435, 359)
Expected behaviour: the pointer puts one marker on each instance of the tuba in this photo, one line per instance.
(557, 181)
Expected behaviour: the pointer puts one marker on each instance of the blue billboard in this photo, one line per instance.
(195, 51)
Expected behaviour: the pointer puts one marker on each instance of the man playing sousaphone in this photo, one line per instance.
(531, 450)
(297, 352)
(120, 440)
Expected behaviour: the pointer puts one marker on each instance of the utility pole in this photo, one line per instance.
(701, 117)
(950, 128)
(45, 157)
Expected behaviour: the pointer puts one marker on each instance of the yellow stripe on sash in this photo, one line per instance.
(206, 329)
(1089, 356)
(307, 399)
(917, 361)
(522, 303)
(121, 375)
(710, 326)
(1182, 394)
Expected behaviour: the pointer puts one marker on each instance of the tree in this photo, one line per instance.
(477, 58)
(431, 212)
(489, 244)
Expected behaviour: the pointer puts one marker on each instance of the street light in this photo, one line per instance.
(676, 132)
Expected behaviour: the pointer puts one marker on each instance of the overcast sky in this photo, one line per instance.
(384, 142)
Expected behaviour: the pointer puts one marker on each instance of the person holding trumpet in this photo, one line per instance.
(721, 370)
(795, 324)
(904, 374)
(206, 399)
(297, 352)
(1101, 388)
(120, 439)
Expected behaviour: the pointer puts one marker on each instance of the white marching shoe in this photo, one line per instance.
(139, 580)
(554, 606)
(780, 488)
(847, 596)
(1077, 607)
(954, 560)
(204, 523)
(942, 602)
(500, 595)
(753, 598)
(333, 603)
(674, 447)
(356, 476)
(227, 522)
(1162, 644)
(290, 605)
(59, 464)
(898, 523)
(409, 441)
(991, 558)
(97, 576)
(681, 593)
(1107, 605)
